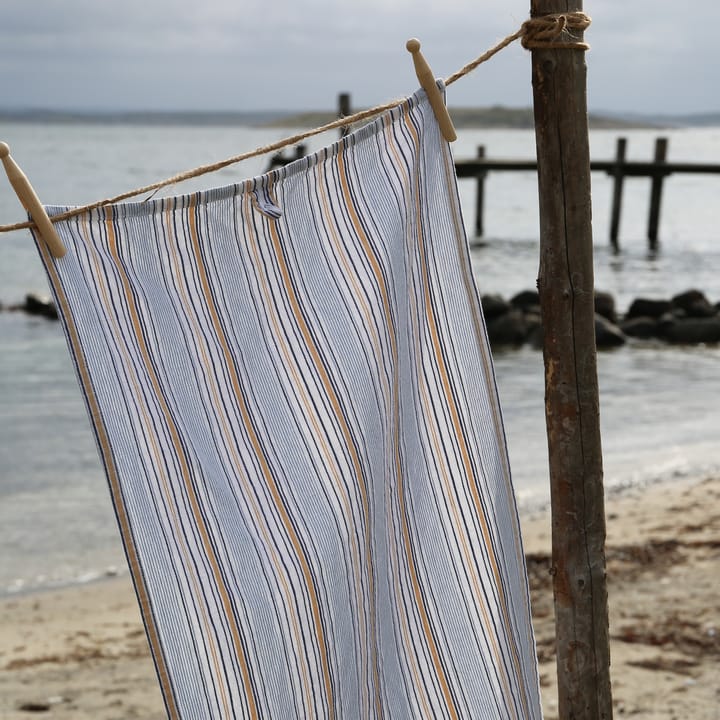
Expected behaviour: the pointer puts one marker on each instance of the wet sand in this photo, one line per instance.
(81, 652)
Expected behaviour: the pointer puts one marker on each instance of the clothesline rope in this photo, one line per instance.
(546, 32)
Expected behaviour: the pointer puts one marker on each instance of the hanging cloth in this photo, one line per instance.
(294, 401)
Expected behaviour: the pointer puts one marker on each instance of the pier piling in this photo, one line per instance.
(480, 196)
(343, 111)
(656, 191)
(618, 178)
(619, 168)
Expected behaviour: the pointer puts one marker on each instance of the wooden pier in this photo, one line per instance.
(656, 169)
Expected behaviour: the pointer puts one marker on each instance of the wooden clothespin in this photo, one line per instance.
(31, 203)
(428, 84)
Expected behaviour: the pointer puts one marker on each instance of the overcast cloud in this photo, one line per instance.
(647, 56)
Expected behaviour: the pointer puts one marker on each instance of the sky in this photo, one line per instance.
(647, 56)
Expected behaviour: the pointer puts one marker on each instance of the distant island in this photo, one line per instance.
(499, 116)
(464, 118)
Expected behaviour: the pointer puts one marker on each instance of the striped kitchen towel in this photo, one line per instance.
(295, 405)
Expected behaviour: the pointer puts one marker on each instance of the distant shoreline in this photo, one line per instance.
(464, 118)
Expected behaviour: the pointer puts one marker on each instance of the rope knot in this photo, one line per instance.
(555, 31)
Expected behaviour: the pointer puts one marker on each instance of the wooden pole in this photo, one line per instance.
(344, 111)
(618, 176)
(565, 283)
(480, 197)
(656, 191)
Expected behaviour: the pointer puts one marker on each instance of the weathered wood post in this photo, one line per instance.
(480, 197)
(656, 191)
(618, 176)
(344, 111)
(565, 283)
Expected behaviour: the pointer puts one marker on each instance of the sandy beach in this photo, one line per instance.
(81, 652)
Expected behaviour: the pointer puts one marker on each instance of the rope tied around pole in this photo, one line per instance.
(549, 32)
(544, 32)
(554, 31)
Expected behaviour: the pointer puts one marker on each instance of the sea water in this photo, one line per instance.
(660, 405)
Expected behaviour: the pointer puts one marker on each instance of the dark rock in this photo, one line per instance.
(532, 321)
(694, 304)
(641, 327)
(35, 707)
(534, 331)
(39, 305)
(605, 306)
(607, 334)
(536, 337)
(644, 307)
(508, 329)
(531, 310)
(493, 306)
(693, 331)
(526, 299)
(665, 322)
(689, 296)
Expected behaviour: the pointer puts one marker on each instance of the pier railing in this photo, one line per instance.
(656, 170)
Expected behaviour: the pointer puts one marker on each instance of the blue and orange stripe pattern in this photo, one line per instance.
(294, 401)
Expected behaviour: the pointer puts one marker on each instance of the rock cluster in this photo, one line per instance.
(35, 304)
(688, 318)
